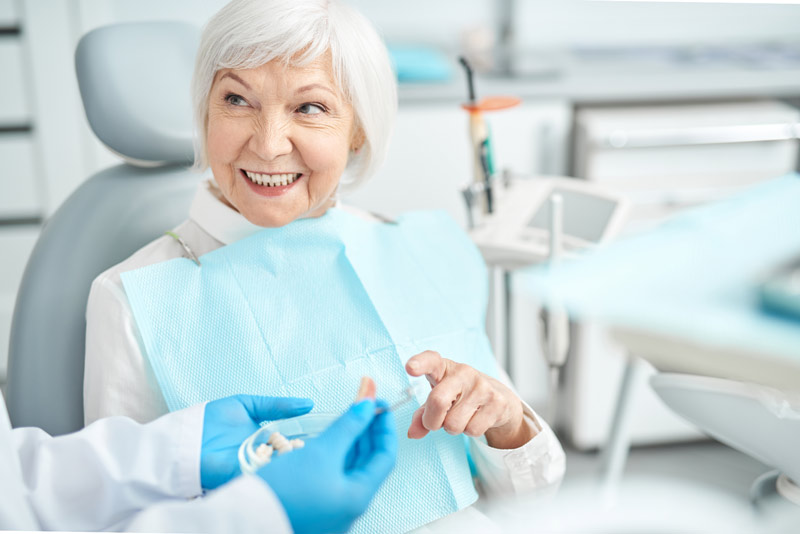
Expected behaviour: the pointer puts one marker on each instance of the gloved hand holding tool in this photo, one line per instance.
(230, 421)
(328, 483)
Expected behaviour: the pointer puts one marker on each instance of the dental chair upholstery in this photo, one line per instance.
(134, 81)
(758, 420)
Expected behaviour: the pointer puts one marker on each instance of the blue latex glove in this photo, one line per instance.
(229, 421)
(328, 483)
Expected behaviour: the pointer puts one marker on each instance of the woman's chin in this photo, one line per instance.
(277, 212)
(275, 217)
(270, 220)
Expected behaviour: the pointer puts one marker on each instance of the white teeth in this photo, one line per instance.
(272, 179)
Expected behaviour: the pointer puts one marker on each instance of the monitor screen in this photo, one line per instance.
(586, 216)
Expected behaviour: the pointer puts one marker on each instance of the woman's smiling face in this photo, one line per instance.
(278, 139)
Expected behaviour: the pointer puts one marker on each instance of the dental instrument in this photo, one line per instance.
(367, 389)
(408, 394)
(480, 138)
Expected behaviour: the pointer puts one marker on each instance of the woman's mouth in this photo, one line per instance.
(272, 180)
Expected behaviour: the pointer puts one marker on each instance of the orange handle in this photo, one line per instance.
(493, 103)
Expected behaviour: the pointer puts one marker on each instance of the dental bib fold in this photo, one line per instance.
(307, 310)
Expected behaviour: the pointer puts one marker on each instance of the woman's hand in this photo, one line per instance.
(464, 400)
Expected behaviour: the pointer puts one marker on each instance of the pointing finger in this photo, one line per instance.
(429, 363)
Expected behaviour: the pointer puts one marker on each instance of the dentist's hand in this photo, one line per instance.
(464, 400)
(229, 421)
(328, 483)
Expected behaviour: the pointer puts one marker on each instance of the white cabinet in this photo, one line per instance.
(663, 158)
(668, 157)
(421, 174)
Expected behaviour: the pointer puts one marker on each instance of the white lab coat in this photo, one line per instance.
(117, 474)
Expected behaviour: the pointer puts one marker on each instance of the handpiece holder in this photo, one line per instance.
(480, 141)
(474, 192)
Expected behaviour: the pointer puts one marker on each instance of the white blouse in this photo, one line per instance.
(118, 379)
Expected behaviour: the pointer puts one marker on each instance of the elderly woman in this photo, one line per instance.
(272, 287)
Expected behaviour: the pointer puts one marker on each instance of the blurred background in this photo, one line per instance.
(669, 104)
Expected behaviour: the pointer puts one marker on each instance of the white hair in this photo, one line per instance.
(249, 33)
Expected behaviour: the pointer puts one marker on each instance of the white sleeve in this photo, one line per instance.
(537, 465)
(118, 379)
(110, 470)
(244, 505)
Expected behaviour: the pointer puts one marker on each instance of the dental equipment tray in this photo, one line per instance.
(518, 232)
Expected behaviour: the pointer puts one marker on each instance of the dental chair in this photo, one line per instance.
(760, 421)
(134, 81)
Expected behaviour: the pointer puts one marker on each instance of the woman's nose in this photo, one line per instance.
(272, 140)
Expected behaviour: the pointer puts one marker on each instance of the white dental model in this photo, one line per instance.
(277, 442)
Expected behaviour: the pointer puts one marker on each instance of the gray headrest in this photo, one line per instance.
(134, 80)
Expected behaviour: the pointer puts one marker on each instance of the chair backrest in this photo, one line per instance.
(134, 80)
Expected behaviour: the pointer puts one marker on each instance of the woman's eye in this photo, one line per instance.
(311, 109)
(235, 100)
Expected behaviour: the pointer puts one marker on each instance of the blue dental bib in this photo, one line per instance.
(307, 310)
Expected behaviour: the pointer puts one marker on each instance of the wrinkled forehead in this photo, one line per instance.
(299, 69)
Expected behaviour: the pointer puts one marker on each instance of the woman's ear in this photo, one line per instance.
(358, 140)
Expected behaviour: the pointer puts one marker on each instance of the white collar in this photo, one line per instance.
(227, 225)
(216, 218)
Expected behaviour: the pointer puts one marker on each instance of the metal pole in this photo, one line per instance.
(615, 452)
(509, 332)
